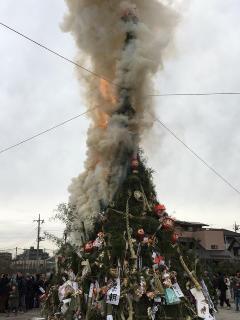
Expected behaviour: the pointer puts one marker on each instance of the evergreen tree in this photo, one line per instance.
(126, 268)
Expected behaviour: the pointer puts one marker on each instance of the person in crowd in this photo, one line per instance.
(4, 291)
(39, 289)
(228, 291)
(29, 292)
(223, 291)
(236, 290)
(22, 289)
(13, 300)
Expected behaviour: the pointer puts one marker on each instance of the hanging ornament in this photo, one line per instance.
(138, 195)
(100, 235)
(113, 272)
(140, 234)
(98, 243)
(134, 165)
(158, 260)
(173, 275)
(88, 247)
(159, 209)
(174, 238)
(171, 297)
(152, 240)
(168, 223)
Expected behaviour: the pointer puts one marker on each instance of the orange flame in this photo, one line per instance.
(107, 92)
(102, 119)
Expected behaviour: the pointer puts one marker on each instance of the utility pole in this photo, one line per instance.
(16, 252)
(236, 227)
(39, 222)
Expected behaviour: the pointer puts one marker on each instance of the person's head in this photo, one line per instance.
(205, 273)
(14, 288)
(238, 274)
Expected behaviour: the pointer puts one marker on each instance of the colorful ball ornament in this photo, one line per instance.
(168, 223)
(88, 247)
(174, 238)
(159, 209)
(134, 164)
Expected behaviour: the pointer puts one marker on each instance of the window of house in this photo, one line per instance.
(214, 246)
(236, 252)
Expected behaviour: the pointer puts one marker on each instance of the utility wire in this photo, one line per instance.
(194, 153)
(56, 53)
(102, 77)
(150, 95)
(44, 131)
(194, 94)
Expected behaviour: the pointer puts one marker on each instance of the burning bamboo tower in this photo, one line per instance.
(122, 261)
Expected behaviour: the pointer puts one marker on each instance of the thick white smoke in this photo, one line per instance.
(100, 28)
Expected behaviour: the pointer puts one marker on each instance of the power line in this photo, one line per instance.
(150, 95)
(57, 54)
(156, 119)
(102, 77)
(44, 131)
(195, 154)
(194, 94)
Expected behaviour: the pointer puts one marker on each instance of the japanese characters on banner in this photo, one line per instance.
(113, 294)
(207, 296)
(177, 290)
(202, 305)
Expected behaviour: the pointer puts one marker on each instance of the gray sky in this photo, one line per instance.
(38, 90)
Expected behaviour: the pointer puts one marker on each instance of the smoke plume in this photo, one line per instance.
(123, 41)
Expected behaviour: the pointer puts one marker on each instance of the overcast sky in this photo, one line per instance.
(38, 90)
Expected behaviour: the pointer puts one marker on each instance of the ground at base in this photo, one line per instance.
(21, 316)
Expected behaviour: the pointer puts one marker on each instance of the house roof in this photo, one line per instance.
(231, 233)
(187, 223)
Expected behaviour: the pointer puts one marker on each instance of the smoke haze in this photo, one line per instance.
(99, 29)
